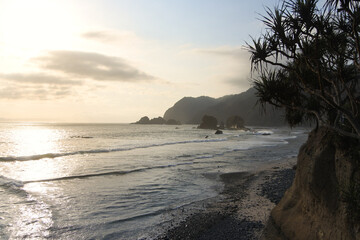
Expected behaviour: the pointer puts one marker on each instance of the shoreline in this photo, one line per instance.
(240, 211)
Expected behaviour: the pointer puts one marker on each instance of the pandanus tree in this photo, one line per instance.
(308, 62)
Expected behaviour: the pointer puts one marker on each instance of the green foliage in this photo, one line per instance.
(235, 122)
(308, 62)
(351, 196)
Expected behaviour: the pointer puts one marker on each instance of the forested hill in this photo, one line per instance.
(190, 110)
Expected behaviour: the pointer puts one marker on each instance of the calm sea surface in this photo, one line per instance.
(119, 181)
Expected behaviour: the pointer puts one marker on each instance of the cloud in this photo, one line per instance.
(37, 78)
(107, 36)
(35, 86)
(93, 66)
(34, 92)
(11, 93)
(102, 36)
(61, 72)
(235, 52)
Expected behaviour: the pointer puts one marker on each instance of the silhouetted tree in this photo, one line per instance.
(235, 122)
(208, 122)
(308, 61)
(173, 122)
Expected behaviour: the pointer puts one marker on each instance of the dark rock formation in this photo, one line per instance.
(219, 132)
(144, 120)
(158, 120)
(190, 110)
(186, 109)
(322, 202)
(208, 122)
(235, 122)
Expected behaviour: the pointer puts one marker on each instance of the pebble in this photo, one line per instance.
(222, 225)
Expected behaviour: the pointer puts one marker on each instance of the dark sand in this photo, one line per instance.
(240, 211)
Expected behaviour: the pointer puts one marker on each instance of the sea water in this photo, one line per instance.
(119, 181)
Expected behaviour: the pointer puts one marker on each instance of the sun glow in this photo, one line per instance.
(31, 140)
(28, 27)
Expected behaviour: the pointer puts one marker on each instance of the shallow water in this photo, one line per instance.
(118, 181)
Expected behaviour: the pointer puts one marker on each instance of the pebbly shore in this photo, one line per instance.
(240, 211)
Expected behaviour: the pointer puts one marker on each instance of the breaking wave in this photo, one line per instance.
(112, 173)
(95, 151)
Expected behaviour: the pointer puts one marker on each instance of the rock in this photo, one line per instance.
(208, 122)
(158, 120)
(219, 132)
(143, 120)
(190, 110)
(315, 207)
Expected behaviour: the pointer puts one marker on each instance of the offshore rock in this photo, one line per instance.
(208, 122)
(158, 120)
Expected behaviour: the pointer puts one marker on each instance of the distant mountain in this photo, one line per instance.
(190, 110)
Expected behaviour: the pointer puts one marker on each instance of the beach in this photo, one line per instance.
(241, 210)
(123, 181)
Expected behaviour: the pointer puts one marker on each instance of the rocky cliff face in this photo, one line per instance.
(191, 110)
(185, 109)
(322, 203)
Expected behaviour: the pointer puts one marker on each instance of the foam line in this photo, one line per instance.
(95, 151)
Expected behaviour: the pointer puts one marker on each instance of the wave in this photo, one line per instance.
(13, 186)
(95, 151)
(10, 183)
(79, 136)
(245, 145)
(112, 173)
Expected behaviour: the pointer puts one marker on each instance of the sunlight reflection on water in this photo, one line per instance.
(33, 140)
(31, 218)
(30, 140)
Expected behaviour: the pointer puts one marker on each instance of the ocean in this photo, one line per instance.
(120, 181)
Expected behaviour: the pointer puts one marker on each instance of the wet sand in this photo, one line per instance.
(240, 211)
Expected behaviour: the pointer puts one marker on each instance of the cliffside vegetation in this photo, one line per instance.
(232, 123)
(308, 61)
(235, 122)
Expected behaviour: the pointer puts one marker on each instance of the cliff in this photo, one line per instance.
(324, 199)
(191, 110)
(187, 109)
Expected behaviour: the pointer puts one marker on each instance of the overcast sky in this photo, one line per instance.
(118, 60)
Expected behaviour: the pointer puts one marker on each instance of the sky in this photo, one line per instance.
(114, 61)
